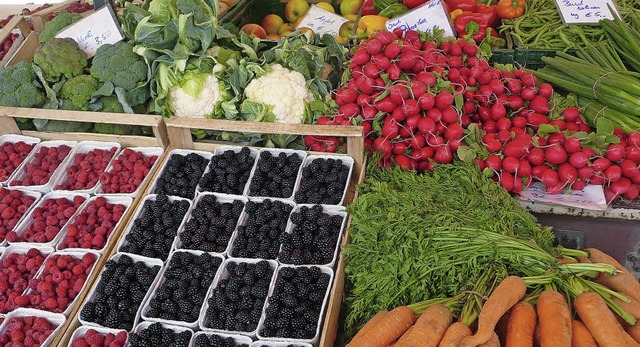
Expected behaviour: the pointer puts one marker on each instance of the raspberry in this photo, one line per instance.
(78, 270)
(50, 303)
(22, 301)
(17, 335)
(94, 338)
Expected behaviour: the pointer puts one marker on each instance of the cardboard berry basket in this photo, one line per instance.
(24, 46)
(179, 132)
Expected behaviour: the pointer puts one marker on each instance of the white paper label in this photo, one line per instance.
(590, 198)
(322, 21)
(585, 11)
(424, 18)
(94, 31)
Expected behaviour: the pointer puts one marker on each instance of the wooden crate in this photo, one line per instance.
(23, 49)
(39, 18)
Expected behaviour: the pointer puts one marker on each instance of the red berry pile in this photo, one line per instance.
(15, 272)
(93, 338)
(47, 219)
(26, 331)
(39, 169)
(13, 205)
(127, 173)
(86, 169)
(93, 225)
(11, 156)
(58, 285)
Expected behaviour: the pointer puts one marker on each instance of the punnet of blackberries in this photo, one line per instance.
(155, 335)
(119, 293)
(261, 235)
(293, 309)
(323, 182)
(181, 175)
(236, 302)
(156, 227)
(211, 224)
(184, 286)
(213, 340)
(314, 238)
(228, 172)
(275, 175)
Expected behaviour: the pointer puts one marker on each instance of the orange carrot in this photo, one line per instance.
(521, 324)
(565, 261)
(429, 328)
(536, 336)
(373, 321)
(598, 256)
(600, 321)
(634, 332)
(506, 294)
(583, 260)
(494, 341)
(630, 341)
(555, 319)
(580, 335)
(454, 335)
(622, 283)
(632, 308)
(386, 330)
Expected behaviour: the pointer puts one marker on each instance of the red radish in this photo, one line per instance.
(556, 138)
(427, 101)
(615, 152)
(413, 121)
(484, 113)
(588, 151)
(371, 70)
(579, 160)
(503, 123)
(346, 96)
(572, 145)
(510, 164)
(494, 146)
(428, 78)
(398, 94)
(632, 192)
(480, 163)
(494, 163)
(571, 114)
(549, 177)
(559, 123)
(514, 102)
(620, 186)
(498, 111)
(468, 107)
(613, 173)
(609, 195)
(418, 88)
(434, 140)
(540, 104)
(382, 62)
(507, 181)
(519, 122)
(528, 79)
(385, 37)
(573, 127)
(404, 132)
(629, 168)
(360, 57)
(454, 131)
(411, 108)
(497, 87)
(368, 112)
(394, 72)
(633, 139)
(528, 94)
(545, 90)
(537, 119)
(633, 153)
(386, 105)
(435, 114)
(536, 156)
(519, 150)
(383, 146)
(538, 170)
(374, 46)
(504, 136)
(426, 125)
(417, 142)
(362, 100)
(444, 99)
(404, 162)
(365, 85)
(597, 180)
(454, 144)
(489, 126)
(601, 164)
(399, 148)
(524, 168)
(450, 115)
(407, 60)
(555, 154)
(443, 155)
(567, 173)
(556, 189)
(349, 110)
(578, 185)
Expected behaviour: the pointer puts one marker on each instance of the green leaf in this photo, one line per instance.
(611, 139)
(466, 154)
(604, 126)
(546, 129)
(256, 112)
(459, 101)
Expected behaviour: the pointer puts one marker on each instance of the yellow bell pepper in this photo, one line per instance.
(372, 24)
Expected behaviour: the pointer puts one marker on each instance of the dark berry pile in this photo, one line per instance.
(275, 176)
(261, 236)
(185, 286)
(217, 341)
(323, 182)
(236, 303)
(156, 227)
(181, 175)
(211, 225)
(122, 287)
(294, 307)
(155, 335)
(314, 237)
(228, 172)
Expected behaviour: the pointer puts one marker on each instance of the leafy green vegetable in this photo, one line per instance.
(59, 22)
(60, 57)
(18, 88)
(79, 90)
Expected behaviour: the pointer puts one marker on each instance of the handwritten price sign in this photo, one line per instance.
(585, 11)
(424, 18)
(322, 22)
(94, 31)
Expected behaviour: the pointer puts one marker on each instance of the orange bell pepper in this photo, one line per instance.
(509, 9)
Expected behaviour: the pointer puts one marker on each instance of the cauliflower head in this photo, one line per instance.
(284, 90)
(59, 22)
(60, 57)
(17, 88)
(120, 65)
(196, 96)
(79, 90)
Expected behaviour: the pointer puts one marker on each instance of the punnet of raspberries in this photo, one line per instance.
(323, 182)
(93, 225)
(16, 270)
(214, 340)
(63, 279)
(181, 175)
(42, 165)
(156, 335)
(211, 225)
(86, 168)
(12, 154)
(275, 175)
(26, 331)
(47, 219)
(13, 205)
(228, 172)
(261, 236)
(94, 338)
(156, 227)
(128, 171)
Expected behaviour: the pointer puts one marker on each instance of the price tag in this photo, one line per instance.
(424, 18)
(585, 11)
(590, 198)
(95, 30)
(322, 21)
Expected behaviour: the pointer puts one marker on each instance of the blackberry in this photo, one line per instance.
(323, 182)
(228, 172)
(181, 293)
(181, 175)
(208, 229)
(117, 301)
(275, 176)
(213, 340)
(156, 335)
(261, 237)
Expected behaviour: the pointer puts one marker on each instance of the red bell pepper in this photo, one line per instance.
(465, 5)
(490, 12)
(367, 8)
(472, 24)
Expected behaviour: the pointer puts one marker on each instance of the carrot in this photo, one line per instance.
(632, 308)
(583, 260)
(373, 321)
(386, 330)
(454, 335)
(565, 261)
(555, 319)
(506, 294)
(536, 335)
(580, 335)
(429, 328)
(598, 256)
(600, 321)
(634, 332)
(521, 325)
(494, 341)
(622, 283)
(501, 327)
(630, 341)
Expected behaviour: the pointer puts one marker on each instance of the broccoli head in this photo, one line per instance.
(60, 57)
(66, 126)
(17, 88)
(119, 65)
(79, 90)
(111, 104)
(61, 21)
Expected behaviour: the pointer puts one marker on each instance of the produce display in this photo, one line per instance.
(18, 267)
(86, 169)
(156, 334)
(181, 175)
(127, 172)
(12, 154)
(275, 174)
(14, 205)
(41, 166)
(323, 182)
(228, 172)
(27, 330)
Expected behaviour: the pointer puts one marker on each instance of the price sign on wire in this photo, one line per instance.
(424, 18)
(322, 21)
(585, 11)
(95, 30)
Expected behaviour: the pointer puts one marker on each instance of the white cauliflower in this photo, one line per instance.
(284, 90)
(200, 106)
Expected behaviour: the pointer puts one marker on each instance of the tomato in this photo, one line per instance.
(413, 3)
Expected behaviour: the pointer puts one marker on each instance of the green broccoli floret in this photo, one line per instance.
(17, 87)
(60, 57)
(66, 126)
(119, 65)
(79, 90)
(61, 21)
(111, 104)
